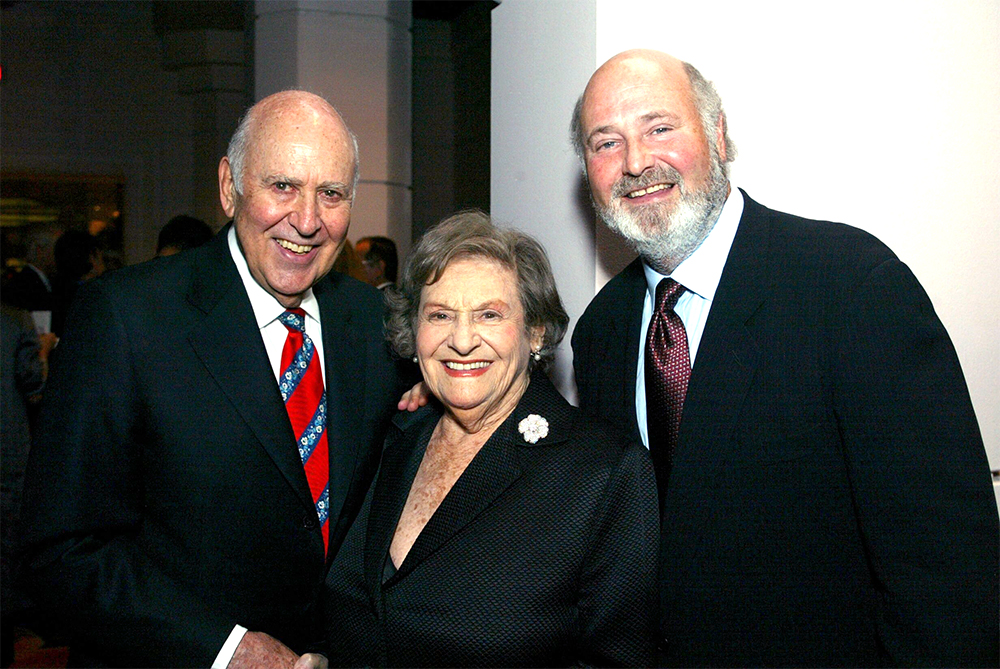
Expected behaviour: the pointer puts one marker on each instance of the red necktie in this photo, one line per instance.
(301, 387)
(667, 371)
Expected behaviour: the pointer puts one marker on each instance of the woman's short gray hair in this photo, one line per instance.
(472, 234)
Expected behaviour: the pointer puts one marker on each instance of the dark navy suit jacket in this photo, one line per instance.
(541, 555)
(166, 500)
(830, 500)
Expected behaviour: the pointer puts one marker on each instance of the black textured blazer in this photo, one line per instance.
(165, 499)
(541, 555)
(830, 500)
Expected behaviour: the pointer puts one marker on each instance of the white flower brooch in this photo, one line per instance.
(534, 427)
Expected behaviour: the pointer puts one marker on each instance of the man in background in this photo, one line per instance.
(29, 267)
(380, 260)
(23, 367)
(79, 259)
(825, 494)
(181, 233)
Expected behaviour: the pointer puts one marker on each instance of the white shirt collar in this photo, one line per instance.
(701, 272)
(266, 307)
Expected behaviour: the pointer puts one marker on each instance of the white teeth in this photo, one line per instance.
(458, 366)
(646, 191)
(297, 248)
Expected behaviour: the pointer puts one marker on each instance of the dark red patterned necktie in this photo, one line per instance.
(667, 371)
(301, 387)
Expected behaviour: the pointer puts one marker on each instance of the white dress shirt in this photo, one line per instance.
(699, 274)
(266, 310)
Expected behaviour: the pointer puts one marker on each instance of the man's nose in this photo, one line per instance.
(638, 158)
(306, 216)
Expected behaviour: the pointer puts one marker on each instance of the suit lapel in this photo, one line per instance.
(728, 354)
(492, 471)
(623, 360)
(404, 450)
(633, 329)
(344, 352)
(228, 343)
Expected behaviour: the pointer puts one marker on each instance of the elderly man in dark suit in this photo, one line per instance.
(825, 495)
(213, 420)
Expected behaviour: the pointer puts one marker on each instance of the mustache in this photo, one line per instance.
(659, 174)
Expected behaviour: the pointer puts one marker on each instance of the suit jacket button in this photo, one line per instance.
(663, 644)
(308, 522)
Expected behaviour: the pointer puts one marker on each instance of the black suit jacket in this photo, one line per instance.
(166, 500)
(830, 500)
(541, 555)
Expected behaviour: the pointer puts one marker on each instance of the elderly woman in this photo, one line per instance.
(504, 527)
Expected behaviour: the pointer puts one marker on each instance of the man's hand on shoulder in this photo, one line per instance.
(260, 651)
(414, 398)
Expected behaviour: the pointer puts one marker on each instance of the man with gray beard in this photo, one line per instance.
(825, 493)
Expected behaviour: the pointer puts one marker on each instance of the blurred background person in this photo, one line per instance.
(28, 268)
(181, 233)
(505, 528)
(379, 259)
(78, 259)
(23, 368)
(349, 263)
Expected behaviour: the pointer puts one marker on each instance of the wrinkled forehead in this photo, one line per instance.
(302, 126)
(469, 262)
(320, 145)
(635, 84)
(300, 146)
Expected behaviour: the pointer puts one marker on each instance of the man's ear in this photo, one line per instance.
(227, 192)
(720, 137)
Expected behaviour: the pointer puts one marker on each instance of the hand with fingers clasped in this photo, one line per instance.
(259, 651)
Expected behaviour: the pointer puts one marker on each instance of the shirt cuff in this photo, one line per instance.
(225, 655)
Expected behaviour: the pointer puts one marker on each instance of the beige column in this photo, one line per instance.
(356, 54)
(211, 72)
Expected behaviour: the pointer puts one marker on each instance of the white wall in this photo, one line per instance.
(542, 55)
(879, 114)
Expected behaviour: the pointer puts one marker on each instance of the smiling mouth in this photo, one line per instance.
(466, 366)
(294, 248)
(655, 188)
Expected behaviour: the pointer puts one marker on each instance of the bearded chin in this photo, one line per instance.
(665, 235)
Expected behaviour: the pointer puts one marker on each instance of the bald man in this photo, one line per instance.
(178, 513)
(825, 494)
